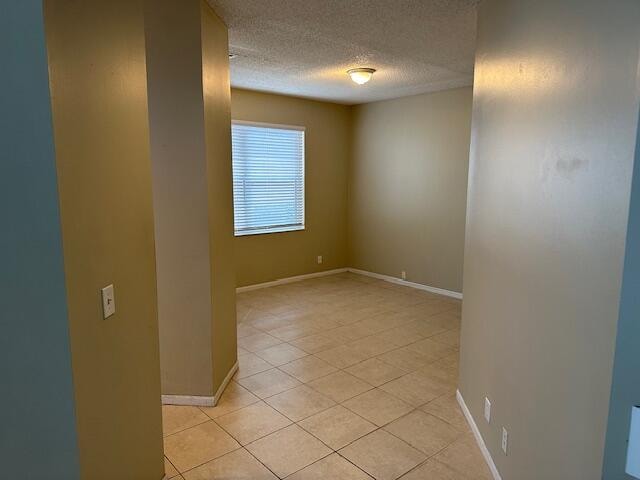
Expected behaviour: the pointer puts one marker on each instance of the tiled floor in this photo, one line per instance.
(341, 377)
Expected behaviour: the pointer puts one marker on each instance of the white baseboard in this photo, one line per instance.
(224, 383)
(476, 433)
(379, 276)
(399, 281)
(201, 401)
(188, 400)
(297, 278)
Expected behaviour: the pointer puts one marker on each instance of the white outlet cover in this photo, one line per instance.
(319, 258)
(487, 410)
(505, 440)
(403, 275)
(108, 301)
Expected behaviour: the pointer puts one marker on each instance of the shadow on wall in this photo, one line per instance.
(625, 392)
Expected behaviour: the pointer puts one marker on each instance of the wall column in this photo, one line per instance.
(96, 53)
(189, 103)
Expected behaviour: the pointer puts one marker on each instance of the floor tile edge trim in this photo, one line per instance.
(399, 281)
(479, 440)
(224, 383)
(296, 278)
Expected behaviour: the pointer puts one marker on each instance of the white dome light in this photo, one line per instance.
(361, 75)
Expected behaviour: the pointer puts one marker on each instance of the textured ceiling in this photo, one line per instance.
(305, 47)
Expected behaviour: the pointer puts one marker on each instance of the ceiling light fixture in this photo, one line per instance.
(361, 75)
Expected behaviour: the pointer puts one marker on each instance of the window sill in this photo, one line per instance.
(270, 230)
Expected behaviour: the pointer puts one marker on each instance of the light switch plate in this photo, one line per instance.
(108, 301)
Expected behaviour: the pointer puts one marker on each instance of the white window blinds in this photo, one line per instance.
(268, 178)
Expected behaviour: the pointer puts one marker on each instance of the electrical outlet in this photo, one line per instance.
(505, 440)
(319, 259)
(404, 275)
(108, 301)
(487, 410)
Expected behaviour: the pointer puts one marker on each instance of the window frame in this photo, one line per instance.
(275, 229)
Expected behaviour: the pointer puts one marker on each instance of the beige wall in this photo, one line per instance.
(407, 187)
(399, 168)
(174, 77)
(261, 258)
(99, 103)
(217, 123)
(189, 109)
(554, 120)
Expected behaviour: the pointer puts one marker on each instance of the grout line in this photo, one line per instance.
(259, 438)
(355, 465)
(174, 467)
(432, 457)
(190, 426)
(332, 453)
(210, 460)
(308, 416)
(260, 462)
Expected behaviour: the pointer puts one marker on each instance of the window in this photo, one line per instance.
(268, 178)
